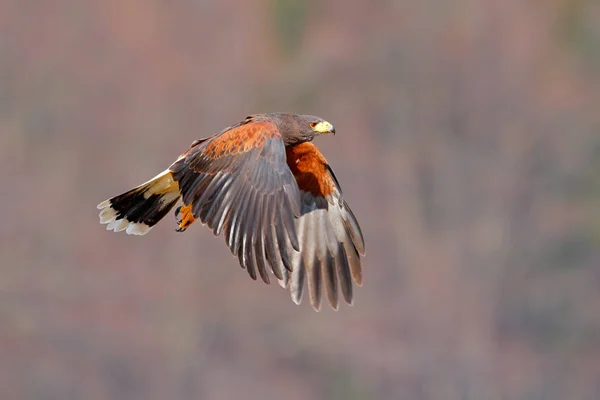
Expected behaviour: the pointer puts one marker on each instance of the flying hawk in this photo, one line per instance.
(268, 189)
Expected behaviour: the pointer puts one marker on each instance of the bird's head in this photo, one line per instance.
(296, 128)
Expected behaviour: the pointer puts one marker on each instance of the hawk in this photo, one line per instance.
(271, 193)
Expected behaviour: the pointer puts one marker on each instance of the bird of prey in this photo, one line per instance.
(270, 191)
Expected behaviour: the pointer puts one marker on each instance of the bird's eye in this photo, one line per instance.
(313, 124)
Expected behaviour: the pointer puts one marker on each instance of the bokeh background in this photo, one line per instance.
(468, 146)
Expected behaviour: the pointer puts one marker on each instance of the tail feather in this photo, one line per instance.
(139, 209)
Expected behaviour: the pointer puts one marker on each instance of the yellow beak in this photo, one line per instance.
(324, 127)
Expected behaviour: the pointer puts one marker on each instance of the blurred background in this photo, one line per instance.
(467, 146)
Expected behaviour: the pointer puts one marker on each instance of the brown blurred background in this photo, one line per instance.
(468, 146)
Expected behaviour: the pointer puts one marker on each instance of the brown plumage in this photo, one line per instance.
(273, 196)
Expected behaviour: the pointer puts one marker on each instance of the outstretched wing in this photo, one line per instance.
(238, 182)
(330, 238)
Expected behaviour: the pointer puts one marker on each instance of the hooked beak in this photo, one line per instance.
(324, 127)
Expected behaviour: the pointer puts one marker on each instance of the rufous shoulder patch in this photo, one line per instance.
(241, 139)
(309, 167)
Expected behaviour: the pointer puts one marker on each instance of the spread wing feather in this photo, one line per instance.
(238, 182)
(280, 210)
(330, 237)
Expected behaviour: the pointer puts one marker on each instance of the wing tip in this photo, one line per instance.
(296, 295)
(357, 277)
